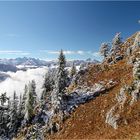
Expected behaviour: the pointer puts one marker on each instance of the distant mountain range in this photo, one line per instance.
(3, 76)
(8, 67)
(23, 63)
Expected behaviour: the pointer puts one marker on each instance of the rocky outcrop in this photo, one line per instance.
(112, 118)
(113, 115)
(136, 84)
(136, 69)
(122, 97)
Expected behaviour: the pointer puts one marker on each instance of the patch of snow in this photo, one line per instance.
(82, 95)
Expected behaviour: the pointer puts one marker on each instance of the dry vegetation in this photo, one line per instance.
(88, 121)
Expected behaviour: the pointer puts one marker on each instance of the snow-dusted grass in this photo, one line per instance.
(82, 95)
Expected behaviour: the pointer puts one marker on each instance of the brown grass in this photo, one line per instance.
(88, 121)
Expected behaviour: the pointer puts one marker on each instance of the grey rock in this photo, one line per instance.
(135, 95)
(121, 97)
(112, 118)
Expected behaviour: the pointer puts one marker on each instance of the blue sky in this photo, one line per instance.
(41, 29)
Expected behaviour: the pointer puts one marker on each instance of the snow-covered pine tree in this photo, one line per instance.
(20, 111)
(116, 42)
(23, 100)
(32, 89)
(82, 66)
(3, 98)
(13, 123)
(47, 87)
(73, 70)
(30, 102)
(62, 74)
(104, 49)
(3, 116)
(117, 39)
(9, 103)
(25, 92)
(20, 105)
(61, 81)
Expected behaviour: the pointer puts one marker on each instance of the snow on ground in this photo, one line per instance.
(74, 99)
(17, 80)
(82, 95)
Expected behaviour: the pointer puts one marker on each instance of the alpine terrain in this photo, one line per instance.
(96, 101)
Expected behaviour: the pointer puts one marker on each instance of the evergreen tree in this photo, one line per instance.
(104, 49)
(116, 42)
(61, 75)
(30, 102)
(3, 115)
(73, 71)
(61, 81)
(3, 98)
(20, 109)
(23, 100)
(47, 87)
(117, 39)
(25, 92)
(82, 66)
(9, 103)
(12, 125)
(32, 89)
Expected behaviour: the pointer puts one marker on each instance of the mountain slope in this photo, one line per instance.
(102, 100)
(89, 120)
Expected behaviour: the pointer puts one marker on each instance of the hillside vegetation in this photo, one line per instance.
(100, 101)
(90, 120)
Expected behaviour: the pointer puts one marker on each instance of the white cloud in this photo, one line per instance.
(53, 52)
(20, 78)
(15, 52)
(68, 52)
(57, 52)
(10, 51)
(96, 55)
(80, 52)
(25, 53)
(139, 21)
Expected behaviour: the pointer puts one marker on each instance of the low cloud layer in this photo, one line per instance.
(20, 78)
(69, 52)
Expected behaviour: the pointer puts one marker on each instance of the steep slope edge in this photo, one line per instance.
(118, 107)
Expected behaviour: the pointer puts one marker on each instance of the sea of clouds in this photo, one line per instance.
(17, 81)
